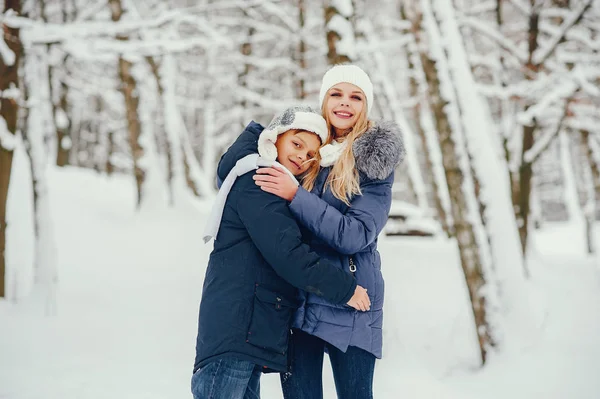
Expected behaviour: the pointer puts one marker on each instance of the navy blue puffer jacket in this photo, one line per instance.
(343, 234)
(249, 293)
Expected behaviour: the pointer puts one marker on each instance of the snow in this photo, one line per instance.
(12, 92)
(6, 54)
(544, 53)
(491, 31)
(173, 123)
(346, 45)
(45, 270)
(62, 120)
(570, 194)
(344, 7)
(564, 88)
(8, 141)
(131, 281)
(19, 230)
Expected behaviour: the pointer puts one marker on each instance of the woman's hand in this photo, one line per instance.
(360, 300)
(275, 181)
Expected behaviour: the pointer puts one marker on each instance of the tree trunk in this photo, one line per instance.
(522, 197)
(333, 19)
(591, 182)
(128, 88)
(418, 117)
(63, 124)
(154, 67)
(244, 75)
(301, 91)
(471, 255)
(587, 147)
(58, 100)
(9, 79)
(464, 231)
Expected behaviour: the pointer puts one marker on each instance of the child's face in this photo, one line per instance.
(343, 104)
(295, 148)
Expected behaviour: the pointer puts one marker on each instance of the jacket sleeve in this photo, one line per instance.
(245, 144)
(277, 236)
(353, 231)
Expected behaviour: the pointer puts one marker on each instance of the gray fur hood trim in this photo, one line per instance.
(379, 150)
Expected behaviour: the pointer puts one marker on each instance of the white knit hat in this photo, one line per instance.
(297, 117)
(346, 73)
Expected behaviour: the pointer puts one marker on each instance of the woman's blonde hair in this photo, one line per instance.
(343, 178)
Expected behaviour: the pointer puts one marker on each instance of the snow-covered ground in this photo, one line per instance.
(130, 282)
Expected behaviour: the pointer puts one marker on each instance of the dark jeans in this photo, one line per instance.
(227, 378)
(352, 371)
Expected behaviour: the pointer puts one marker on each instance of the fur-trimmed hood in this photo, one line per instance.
(379, 150)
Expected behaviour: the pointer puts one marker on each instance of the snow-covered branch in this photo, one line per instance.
(8, 141)
(544, 142)
(522, 7)
(100, 48)
(6, 54)
(491, 32)
(37, 32)
(563, 90)
(542, 54)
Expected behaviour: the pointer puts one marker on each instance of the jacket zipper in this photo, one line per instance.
(352, 266)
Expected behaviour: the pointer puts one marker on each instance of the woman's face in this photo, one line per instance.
(343, 104)
(295, 148)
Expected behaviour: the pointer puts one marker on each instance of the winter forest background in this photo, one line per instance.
(113, 116)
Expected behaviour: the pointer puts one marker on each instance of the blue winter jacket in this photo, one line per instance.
(249, 293)
(348, 235)
(338, 233)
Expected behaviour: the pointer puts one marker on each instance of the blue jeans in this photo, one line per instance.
(352, 371)
(227, 378)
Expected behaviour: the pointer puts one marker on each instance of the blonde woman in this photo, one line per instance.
(344, 210)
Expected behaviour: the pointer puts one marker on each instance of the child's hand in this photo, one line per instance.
(275, 181)
(360, 300)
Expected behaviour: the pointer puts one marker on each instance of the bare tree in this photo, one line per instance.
(590, 187)
(128, 87)
(340, 31)
(9, 83)
(435, 182)
(454, 158)
(301, 53)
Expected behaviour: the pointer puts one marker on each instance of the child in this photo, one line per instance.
(258, 260)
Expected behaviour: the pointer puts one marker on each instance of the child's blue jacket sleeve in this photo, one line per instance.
(276, 234)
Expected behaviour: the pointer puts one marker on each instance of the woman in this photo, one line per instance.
(249, 292)
(344, 212)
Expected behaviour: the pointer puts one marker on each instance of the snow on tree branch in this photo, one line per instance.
(344, 7)
(544, 142)
(491, 32)
(522, 7)
(345, 31)
(8, 141)
(100, 48)
(37, 32)
(542, 54)
(563, 90)
(6, 54)
(272, 9)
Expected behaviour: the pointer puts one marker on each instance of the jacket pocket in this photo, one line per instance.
(271, 319)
